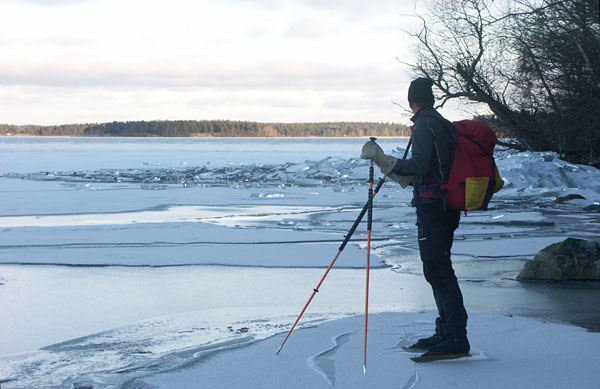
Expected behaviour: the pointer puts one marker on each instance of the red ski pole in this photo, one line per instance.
(343, 245)
(369, 225)
(341, 248)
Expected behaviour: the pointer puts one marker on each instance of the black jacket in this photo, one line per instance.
(432, 146)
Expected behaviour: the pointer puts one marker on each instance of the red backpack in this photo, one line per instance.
(474, 177)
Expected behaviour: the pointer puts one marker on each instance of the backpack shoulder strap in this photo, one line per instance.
(447, 125)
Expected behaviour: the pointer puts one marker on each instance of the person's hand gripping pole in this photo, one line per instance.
(386, 163)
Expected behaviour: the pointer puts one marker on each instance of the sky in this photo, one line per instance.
(86, 61)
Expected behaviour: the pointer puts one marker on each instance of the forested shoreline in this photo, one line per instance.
(215, 128)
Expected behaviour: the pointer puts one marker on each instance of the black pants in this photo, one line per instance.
(436, 233)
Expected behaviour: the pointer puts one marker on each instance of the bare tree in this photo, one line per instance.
(559, 46)
(534, 63)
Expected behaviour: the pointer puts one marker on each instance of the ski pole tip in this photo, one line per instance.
(364, 369)
(278, 350)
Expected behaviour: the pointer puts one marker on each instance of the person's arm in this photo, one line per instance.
(420, 161)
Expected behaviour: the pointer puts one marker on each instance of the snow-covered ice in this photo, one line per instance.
(251, 225)
(508, 352)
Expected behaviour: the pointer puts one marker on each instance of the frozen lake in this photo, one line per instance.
(118, 255)
(28, 154)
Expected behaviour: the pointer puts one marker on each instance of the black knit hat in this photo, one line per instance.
(420, 93)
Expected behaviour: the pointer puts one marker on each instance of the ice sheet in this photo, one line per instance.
(506, 351)
(275, 210)
(499, 248)
(113, 324)
(229, 216)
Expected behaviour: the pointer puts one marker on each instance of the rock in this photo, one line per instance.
(569, 260)
(569, 197)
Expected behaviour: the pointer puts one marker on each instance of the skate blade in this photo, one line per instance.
(412, 349)
(443, 357)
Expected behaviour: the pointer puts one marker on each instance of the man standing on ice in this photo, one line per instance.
(430, 163)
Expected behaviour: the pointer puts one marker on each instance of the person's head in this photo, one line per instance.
(420, 94)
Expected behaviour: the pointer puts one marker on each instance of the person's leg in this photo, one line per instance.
(454, 308)
(430, 272)
(437, 266)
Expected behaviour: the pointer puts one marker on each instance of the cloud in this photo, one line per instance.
(49, 3)
(308, 28)
(342, 5)
(277, 74)
(52, 105)
(286, 59)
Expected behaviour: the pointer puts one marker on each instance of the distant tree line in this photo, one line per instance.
(60, 130)
(218, 128)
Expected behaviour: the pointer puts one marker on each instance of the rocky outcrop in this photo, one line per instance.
(569, 260)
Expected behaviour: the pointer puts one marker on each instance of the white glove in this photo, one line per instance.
(386, 163)
(372, 151)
